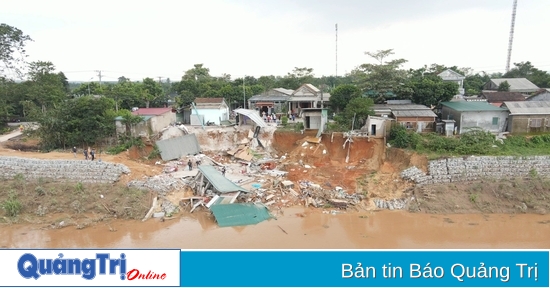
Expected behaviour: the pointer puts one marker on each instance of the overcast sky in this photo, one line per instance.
(164, 38)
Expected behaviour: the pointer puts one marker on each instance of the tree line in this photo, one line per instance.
(68, 114)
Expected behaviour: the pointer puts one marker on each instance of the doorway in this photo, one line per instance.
(373, 129)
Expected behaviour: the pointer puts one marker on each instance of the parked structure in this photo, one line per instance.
(314, 118)
(452, 76)
(468, 115)
(271, 101)
(521, 85)
(541, 95)
(307, 96)
(497, 98)
(378, 127)
(419, 118)
(154, 120)
(528, 116)
(209, 110)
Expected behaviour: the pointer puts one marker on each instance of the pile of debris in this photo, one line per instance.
(162, 184)
(286, 194)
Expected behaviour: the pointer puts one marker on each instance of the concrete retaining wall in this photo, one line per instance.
(68, 170)
(478, 167)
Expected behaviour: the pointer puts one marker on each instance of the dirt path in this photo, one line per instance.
(13, 134)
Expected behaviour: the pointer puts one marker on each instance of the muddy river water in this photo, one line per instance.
(297, 229)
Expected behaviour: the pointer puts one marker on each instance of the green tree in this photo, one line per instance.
(527, 70)
(80, 121)
(473, 84)
(381, 81)
(46, 87)
(431, 91)
(503, 86)
(359, 108)
(150, 90)
(129, 119)
(342, 95)
(12, 49)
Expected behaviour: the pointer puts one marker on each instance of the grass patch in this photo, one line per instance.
(473, 142)
(40, 198)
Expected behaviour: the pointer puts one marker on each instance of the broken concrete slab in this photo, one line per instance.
(175, 148)
(315, 140)
(184, 173)
(287, 184)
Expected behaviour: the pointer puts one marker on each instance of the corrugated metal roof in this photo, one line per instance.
(145, 118)
(208, 100)
(517, 84)
(269, 98)
(284, 91)
(151, 111)
(303, 98)
(218, 181)
(253, 115)
(400, 107)
(240, 214)
(175, 148)
(471, 106)
(502, 96)
(528, 107)
(414, 113)
(451, 75)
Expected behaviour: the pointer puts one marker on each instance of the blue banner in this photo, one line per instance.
(364, 268)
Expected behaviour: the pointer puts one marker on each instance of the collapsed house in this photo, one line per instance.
(219, 194)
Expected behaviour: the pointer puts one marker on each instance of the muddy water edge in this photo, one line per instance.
(299, 229)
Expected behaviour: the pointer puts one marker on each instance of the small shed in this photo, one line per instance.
(154, 121)
(315, 118)
(528, 116)
(448, 127)
(475, 115)
(377, 127)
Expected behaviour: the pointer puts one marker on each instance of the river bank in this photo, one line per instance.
(303, 229)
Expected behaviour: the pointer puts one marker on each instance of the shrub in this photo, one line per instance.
(155, 153)
(299, 126)
(12, 206)
(401, 138)
(284, 120)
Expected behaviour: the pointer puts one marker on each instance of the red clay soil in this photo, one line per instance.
(328, 158)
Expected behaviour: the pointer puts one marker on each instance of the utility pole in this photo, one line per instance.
(99, 75)
(244, 94)
(336, 50)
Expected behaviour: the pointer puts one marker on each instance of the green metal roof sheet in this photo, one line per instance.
(220, 183)
(472, 106)
(145, 118)
(240, 214)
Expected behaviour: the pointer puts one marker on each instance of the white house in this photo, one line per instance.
(205, 110)
(452, 76)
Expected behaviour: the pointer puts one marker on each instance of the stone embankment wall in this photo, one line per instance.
(68, 170)
(478, 167)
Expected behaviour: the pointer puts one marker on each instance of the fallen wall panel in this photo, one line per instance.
(178, 147)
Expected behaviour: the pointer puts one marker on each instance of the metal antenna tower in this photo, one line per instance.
(511, 36)
(336, 49)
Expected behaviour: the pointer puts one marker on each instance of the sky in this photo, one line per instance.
(164, 38)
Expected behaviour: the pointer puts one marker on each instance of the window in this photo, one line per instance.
(495, 121)
(536, 123)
